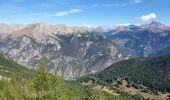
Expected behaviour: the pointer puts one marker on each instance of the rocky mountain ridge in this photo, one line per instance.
(69, 53)
(75, 51)
(141, 40)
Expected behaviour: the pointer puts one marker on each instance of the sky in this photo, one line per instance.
(84, 12)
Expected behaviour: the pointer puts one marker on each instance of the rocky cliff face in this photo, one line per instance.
(68, 52)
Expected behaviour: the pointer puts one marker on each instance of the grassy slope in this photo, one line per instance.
(10, 68)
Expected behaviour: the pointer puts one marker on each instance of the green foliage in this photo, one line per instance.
(58, 90)
(42, 87)
(151, 72)
(12, 90)
(10, 68)
(41, 82)
(138, 97)
(137, 86)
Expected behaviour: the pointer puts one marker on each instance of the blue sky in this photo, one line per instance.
(85, 12)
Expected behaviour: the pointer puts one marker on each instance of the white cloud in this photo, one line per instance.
(148, 18)
(64, 13)
(109, 5)
(132, 2)
(136, 1)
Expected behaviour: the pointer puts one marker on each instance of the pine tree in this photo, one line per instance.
(60, 93)
(10, 90)
(41, 82)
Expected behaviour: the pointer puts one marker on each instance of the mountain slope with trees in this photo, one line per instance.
(151, 72)
(10, 68)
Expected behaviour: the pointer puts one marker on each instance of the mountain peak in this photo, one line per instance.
(155, 23)
(155, 26)
(40, 24)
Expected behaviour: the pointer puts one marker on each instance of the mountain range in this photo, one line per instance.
(75, 51)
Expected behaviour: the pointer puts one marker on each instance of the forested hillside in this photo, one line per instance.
(151, 72)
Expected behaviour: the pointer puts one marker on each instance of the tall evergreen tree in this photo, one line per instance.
(41, 82)
(60, 93)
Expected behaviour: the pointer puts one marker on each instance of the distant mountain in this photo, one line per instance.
(141, 40)
(165, 51)
(7, 28)
(156, 27)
